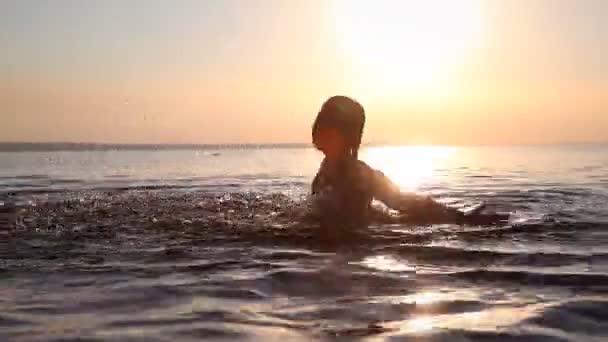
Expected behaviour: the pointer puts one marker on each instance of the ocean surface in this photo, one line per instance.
(209, 243)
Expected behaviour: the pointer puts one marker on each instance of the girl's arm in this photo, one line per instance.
(424, 206)
(413, 204)
(315, 184)
(389, 193)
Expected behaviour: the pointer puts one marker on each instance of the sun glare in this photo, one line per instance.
(399, 47)
(410, 166)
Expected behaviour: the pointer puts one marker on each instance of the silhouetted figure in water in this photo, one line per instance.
(344, 186)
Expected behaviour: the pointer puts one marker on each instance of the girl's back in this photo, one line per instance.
(346, 193)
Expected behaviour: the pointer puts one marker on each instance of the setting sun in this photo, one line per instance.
(399, 47)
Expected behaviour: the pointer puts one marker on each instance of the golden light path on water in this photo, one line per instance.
(485, 320)
(408, 166)
(430, 303)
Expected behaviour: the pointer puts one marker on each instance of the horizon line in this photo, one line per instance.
(10, 146)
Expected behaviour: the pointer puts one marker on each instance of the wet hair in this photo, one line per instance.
(346, 115)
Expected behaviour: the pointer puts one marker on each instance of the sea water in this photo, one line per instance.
(209, 243)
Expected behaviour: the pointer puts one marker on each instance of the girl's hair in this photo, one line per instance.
(346, 115)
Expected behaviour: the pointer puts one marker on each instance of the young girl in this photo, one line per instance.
(344, 186)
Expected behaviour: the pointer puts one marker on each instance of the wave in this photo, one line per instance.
(452, 255)
(578, 281)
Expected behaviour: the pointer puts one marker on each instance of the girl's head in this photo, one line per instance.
(338, 128)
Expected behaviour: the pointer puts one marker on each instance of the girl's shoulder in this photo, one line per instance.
(351, 170)
(363, 169)
(362, 174)
(370, 176)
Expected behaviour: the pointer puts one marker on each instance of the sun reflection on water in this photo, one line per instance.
(408, 166)
(484, 320)
(430, 297)
(386, 263)
(425, 298)
(419, 325)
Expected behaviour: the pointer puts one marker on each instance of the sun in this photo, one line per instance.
(405, 47)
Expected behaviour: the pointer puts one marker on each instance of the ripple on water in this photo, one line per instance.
(162, 265)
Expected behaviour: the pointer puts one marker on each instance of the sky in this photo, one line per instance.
(257, 71)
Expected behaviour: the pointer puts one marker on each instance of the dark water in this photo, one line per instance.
(204, 244)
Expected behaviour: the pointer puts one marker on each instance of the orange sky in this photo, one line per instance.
(237, 71)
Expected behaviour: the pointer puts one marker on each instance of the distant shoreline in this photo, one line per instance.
(70, 146)
(60, 146)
